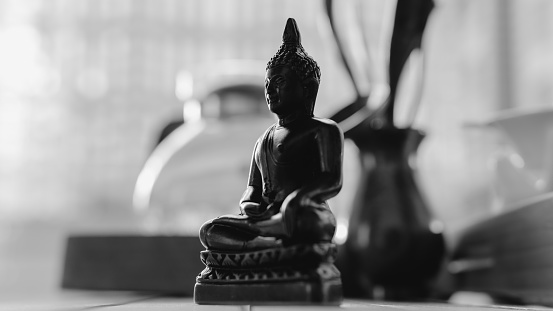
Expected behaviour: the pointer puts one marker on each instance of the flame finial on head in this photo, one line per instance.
(291, 33)
(292, 54)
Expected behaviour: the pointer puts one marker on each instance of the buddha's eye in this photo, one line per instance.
(280, 81)
(277, 81)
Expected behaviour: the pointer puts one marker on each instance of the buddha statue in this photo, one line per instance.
(296, 167)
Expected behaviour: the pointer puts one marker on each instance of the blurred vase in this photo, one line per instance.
(394, 246)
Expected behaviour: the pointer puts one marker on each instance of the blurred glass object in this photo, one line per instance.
(410, 88)
(365, 28)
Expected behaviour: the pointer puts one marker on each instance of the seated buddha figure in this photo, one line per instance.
(296, 165)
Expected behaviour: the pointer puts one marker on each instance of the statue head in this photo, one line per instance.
(292, 63)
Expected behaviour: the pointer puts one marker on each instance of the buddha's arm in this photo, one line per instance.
(251, 199)
(328, 182)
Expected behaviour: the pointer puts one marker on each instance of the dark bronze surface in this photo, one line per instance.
(296, 167)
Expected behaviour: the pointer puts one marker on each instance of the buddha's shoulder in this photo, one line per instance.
(325, 124)
(266, 133)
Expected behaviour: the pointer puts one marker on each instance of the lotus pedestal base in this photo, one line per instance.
(294, 275)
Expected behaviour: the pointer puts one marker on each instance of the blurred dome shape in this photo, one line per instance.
(204, 178)
(531, 132)
(200, 170)
(525, 170)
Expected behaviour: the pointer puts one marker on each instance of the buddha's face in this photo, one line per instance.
(284, 91)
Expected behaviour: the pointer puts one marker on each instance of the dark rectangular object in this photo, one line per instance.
(167, 264)
(510, 255)
(326, 292)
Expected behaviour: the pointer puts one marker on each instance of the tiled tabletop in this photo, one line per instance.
(125, 301)
(31, 259)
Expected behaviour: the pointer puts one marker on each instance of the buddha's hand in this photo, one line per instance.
(297, 199)
(253, 210)
(256, 211)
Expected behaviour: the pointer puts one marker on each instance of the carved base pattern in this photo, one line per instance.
(309, 269)
(275, 274)
(293, 263)
(291, 255)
